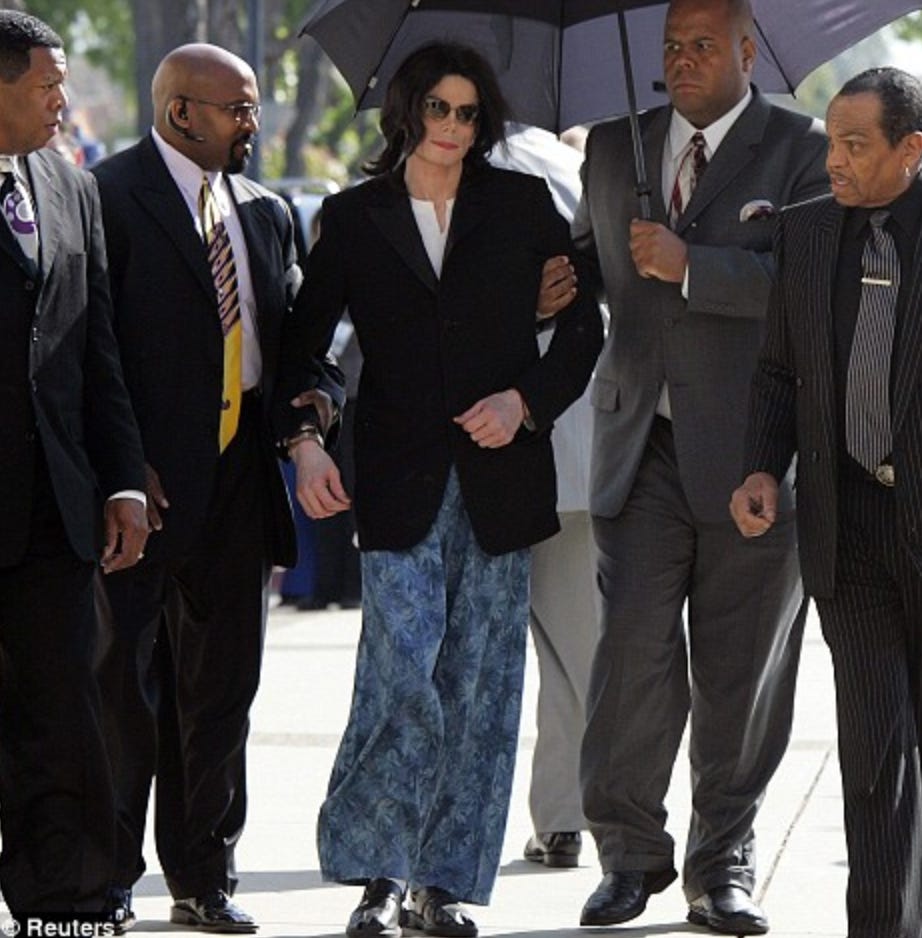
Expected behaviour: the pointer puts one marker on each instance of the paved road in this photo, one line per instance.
(301, 710)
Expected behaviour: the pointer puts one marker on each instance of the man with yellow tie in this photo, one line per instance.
(203, 273)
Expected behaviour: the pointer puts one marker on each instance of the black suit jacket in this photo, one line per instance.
(170, 338)
(793, 404)
(66, 413)
(433, 347)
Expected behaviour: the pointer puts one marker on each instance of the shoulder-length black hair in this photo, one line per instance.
(402, 111)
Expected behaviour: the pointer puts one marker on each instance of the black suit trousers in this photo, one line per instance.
(873, 626)
(56, 802)
(179, 670)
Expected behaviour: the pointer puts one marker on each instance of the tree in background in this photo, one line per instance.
(128, 38)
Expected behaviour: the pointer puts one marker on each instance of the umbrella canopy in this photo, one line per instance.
(560, 62)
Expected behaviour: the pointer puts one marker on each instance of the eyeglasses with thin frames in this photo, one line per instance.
(435, 109)
(240, 112)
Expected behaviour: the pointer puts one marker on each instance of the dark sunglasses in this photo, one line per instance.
(435, 109)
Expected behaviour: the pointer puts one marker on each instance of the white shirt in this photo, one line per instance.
(188, 178)
(679, 137)
(434, 238)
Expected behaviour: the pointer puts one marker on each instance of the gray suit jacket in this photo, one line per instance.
(706, 348)
(62, 396)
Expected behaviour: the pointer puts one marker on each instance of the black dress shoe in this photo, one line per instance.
(622, 896)
(379, 911)
(119, 913)
(213, 912)
(434, 911)
(559, 849)
(728, 910)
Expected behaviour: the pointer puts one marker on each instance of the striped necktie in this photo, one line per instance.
(18, 208)
(691, 169)
(224, 274)
(867, 397)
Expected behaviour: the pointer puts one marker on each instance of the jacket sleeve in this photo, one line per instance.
(307, 333)
(112, 437)
(560, 376)
(771, 437)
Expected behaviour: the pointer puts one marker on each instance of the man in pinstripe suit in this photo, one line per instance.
(859, 519)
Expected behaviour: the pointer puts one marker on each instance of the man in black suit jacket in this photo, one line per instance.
(858, 522)
(67, 440)
(177, 698)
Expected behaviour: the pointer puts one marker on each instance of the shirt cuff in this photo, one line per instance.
(130, 493)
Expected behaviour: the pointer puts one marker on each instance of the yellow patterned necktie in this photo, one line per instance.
(224, 274)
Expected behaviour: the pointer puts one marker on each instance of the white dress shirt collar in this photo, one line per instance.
(681, 130)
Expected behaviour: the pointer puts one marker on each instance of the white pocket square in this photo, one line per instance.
(757, 208)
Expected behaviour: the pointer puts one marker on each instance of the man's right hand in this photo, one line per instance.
(318, 483)
(754, 505)
(558, 286)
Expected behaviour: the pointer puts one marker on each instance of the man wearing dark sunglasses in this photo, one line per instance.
(202, 268)
(438, 110)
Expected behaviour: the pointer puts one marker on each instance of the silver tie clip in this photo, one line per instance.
(876, 282)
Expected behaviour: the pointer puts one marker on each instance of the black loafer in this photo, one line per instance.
(559, 849)
(379, 911)
(623, 895)
(728, 910)
(213, 913)
(434, 911)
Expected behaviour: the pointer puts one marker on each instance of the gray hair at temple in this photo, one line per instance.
(900, 96)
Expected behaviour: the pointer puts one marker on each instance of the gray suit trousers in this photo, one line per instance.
(565, 628)
(733, 670)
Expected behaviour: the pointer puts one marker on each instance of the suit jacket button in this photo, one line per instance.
(799, 382)
(814, 456)
(29, 285)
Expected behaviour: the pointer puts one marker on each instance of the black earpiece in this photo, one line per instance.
(195, 138)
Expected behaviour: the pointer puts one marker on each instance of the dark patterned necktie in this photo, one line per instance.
(867, 397)
(691, 169)
(18, 209)
(224, 274)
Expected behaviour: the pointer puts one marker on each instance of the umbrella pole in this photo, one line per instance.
(641, 184)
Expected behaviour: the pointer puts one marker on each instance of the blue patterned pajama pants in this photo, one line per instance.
(420, 787)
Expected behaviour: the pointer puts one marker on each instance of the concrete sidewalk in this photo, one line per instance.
(301, 711)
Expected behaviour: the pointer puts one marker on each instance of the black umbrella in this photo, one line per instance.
(567, 62)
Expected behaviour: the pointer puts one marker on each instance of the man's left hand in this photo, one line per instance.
(126, 534)
(657, 251)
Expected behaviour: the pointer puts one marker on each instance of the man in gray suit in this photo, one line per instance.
(846, 265)
(688, 292)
